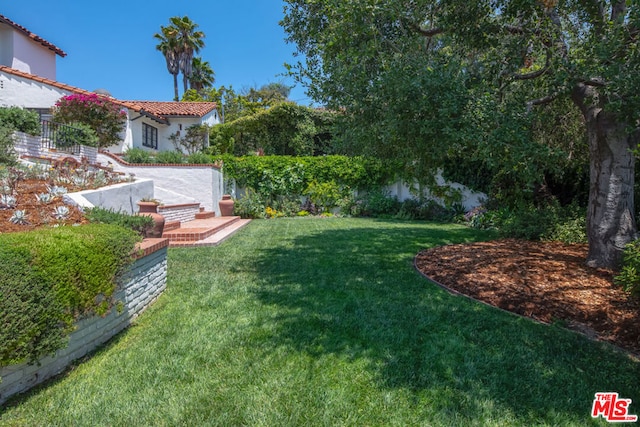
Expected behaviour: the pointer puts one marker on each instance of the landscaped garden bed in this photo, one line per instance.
(33, 197)
(546, 281)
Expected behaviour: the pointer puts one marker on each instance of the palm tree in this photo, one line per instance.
(190, 41)
(202, 75)
(168, 45)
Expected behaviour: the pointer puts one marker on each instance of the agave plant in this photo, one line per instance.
(19, 217)
(78, 180)
(7, 201)
(44, 198)
(61, 212)
(57, 191)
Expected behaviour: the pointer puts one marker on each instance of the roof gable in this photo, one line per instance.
(32, 36)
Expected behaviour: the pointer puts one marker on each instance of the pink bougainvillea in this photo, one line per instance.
(99, 112)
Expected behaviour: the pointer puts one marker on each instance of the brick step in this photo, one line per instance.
(205, 215)
(171, 225)
(198, 229)
(215, 239)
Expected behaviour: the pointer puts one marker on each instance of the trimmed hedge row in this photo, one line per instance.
(50, 277)
(292, 175)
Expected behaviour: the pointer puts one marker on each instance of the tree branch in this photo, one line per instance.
(424, 31)
(618, 10)
(537, 73)
(542, 101)
(595, 82)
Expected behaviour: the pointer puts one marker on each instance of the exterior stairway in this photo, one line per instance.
(205, 230)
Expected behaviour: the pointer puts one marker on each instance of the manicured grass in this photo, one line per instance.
(325, 322)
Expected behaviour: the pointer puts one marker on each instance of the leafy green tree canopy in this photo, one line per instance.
(430, 76)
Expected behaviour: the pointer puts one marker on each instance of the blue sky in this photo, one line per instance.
(110, 44)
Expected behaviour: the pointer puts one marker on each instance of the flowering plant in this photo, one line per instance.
(98, 112)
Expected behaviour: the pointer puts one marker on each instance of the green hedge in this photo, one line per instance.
(289, 174)
(50, 277)
(276, 184)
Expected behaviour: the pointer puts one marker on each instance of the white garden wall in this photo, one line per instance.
(177, 184)
(31, 146)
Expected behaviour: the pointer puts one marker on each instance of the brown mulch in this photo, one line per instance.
(546, 281)
(38, 214)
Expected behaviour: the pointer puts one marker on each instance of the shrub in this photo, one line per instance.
(250, 206)
(8, 155)
(426, 210)
(50, 277)
(75, 133)
(551, 222)
(33, 321)
(21, 120)
(169, 157)
(194, 140)
(325, 195)
(199, 159)
(629, 275)
(96, 111)
(137, 155)
(141, 224)
(379, 203)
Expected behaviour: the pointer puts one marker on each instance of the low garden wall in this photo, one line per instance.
(145, 281)
(31, 146)
(118, 197)
(175, 184)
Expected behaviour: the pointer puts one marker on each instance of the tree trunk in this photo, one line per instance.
(175, 87)
(610, 213)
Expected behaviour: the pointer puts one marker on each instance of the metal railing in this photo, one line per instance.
(61, 137)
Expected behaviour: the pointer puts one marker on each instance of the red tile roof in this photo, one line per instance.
(32, 36)
(157, 110)
(176, 109)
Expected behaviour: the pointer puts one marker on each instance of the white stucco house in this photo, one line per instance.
(28, 80)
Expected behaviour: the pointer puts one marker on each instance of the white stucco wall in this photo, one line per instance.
(21, 92)
(469, 198)
(174, 185)
(132, 136)
(6, 45)
(33, 58)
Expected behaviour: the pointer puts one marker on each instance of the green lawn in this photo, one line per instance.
(325, 322)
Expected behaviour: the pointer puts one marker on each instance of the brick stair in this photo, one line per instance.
(205, 215)
(205, 230)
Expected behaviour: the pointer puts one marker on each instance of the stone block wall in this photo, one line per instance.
(182, 212)
(141, 286)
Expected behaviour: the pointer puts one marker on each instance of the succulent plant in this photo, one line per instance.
(7, 202)
(19, 217)
(44, 197)
(57, 191)
(61, 212)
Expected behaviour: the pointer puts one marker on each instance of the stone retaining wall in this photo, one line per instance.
(182, 212)
(145, 281)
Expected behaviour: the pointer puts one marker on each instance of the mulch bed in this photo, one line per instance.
(546, 281)
(38, 214)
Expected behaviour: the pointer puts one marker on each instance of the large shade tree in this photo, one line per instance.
(441, 70)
